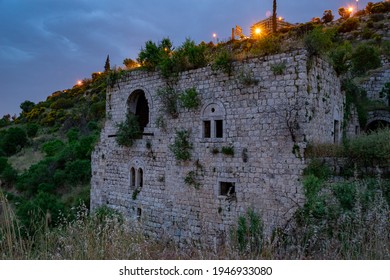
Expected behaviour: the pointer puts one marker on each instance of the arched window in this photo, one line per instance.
(138, 105)
(140, 178)
(213, 121)
(132, 177)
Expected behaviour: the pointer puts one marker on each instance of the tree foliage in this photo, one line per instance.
(327, 16)
(365, 57)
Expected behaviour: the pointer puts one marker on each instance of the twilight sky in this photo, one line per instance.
(47, 45)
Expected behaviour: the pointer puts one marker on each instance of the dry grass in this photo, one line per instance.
(25, 158)
(362, 233)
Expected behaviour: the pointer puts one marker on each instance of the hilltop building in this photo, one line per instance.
(246, 142)
(265, 26)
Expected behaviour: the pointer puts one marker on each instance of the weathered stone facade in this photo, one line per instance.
(267, 121)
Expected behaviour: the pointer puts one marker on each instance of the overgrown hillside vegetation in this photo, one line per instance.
(45, 164)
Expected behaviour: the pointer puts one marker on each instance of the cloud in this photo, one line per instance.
(13, 54)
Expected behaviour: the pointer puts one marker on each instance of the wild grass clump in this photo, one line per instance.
(370, 150)
(339, 221)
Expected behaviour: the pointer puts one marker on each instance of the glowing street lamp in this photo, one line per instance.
(215, 37)
(350, 9)
(79, 82)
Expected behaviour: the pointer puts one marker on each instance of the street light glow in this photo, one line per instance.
(257, 31)
(350, 9)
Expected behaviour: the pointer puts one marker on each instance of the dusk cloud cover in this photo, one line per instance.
(47, 45)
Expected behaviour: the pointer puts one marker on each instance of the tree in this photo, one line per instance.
(344, 13)
(14, 139)
(369, 7)
(364, 58)
(129, 63)
(327, 16)
(274, 21)
(27, 106)
(107, 66)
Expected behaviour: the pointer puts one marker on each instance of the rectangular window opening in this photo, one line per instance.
(139, 214)
(336, 132)
(227, 188)
(207, 129)
(218, 128)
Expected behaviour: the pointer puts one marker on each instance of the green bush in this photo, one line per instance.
(128, 131)
(223, 62)
(345, 194)
(52, 147)
(7, 174)
(189, 99)
(32, 129)
(318, 41)
(98, 110)
(385, 47)
(73, 135)
(364, 58)
(168, 97)
(349, 25)
(62, 103)
(370, 150)
(340, 57)
(278, 68)
(152, 54)
(189, 56)
(44, 209)
(37, 174)
(78, 172)
(318, 168)
(357, 96)
(181, 148)
(266, 46)
(3, 163)
(227, 150)
(13, 140)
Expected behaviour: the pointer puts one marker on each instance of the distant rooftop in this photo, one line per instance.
(265, 26)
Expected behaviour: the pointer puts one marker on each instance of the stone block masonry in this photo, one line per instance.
(266, 124)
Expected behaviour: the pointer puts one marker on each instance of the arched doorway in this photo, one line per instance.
(377, 125)
(137, 104)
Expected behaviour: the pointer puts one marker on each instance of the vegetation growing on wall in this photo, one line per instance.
(181, 147)
(128, 131)
(189, 98)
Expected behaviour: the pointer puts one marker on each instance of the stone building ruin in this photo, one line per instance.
(265, 123)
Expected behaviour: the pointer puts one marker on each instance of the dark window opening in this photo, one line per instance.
(218, 128)
(140, 177)
(207, 129)
(142, 111)
(227, 188)
(336, 131)
(132, 177)
(139, 214)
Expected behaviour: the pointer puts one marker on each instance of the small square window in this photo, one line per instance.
(218, 128)
(227, 188)
(207, 129)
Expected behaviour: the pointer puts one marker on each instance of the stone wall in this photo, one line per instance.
(267, 121)
(375, 83)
